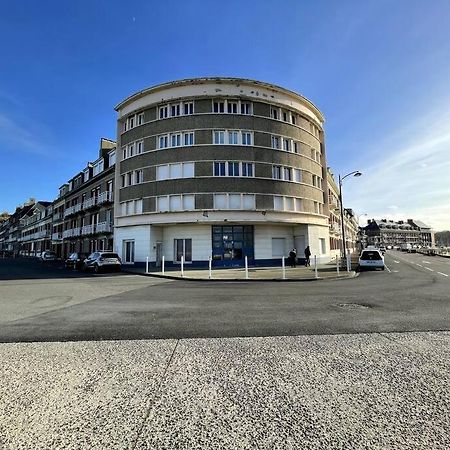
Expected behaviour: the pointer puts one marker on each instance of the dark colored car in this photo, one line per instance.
(75, 261)
(99, 261)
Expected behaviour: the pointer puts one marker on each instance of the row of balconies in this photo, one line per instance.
(37, 235)
(104, 197)
(101, 227)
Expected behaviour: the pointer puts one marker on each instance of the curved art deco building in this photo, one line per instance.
(222, 168)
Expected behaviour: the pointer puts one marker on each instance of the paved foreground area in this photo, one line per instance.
(365, 391)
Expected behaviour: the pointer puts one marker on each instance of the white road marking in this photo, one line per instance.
(426, 262)
(396, 262)
(387, 268)
(420, 265)
(445, 275)
(431, 270)
(394, 271)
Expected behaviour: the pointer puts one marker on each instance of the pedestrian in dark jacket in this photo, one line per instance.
(307, 256)
(293, 257)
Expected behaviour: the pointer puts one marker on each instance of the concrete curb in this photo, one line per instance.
(353, 274)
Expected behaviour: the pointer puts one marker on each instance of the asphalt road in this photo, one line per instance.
(413, 295)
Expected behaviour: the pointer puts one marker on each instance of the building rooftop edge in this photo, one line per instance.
(201, 80)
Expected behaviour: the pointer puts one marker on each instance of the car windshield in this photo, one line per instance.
(110, 255)
(371, 256)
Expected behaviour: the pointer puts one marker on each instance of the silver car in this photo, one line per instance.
(99, 261)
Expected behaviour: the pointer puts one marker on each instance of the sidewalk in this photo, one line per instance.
(300, 273)
(357, 391)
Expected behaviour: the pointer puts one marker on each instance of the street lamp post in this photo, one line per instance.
(355, 173)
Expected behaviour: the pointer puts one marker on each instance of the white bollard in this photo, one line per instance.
(162, 265)
(146, 265)
(283, 267)
(315, 267)
(337, 265)
(210, 267)
(246, 268)
(182, 266)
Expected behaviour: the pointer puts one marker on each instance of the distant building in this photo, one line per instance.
(388, 232)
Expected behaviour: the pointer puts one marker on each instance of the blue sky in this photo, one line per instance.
(379, 70)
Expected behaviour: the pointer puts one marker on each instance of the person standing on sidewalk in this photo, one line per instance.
(293, 257)
(307, 256)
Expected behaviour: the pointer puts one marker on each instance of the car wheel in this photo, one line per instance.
(96, 268)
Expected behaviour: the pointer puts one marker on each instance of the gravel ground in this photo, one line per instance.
(365, 391)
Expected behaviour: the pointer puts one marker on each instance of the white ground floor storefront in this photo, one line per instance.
(227, 243)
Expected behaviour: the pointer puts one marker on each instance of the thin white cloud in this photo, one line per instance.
(411, 179)
(18, 138)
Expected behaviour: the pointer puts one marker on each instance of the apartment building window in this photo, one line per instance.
(131, 122)
(284, 203)
(277, 172)
(176, 139)
(233, 137)
(247, 169)
(219, 137)
(295, 147)
(176, 170)
(139, 147)
(317, 181)
(287, 174)
(86, 174)
(163, 112)
(246, 108)
(189, 138)
(234, 201)
(247, 138)
(131, 207)
(112, 158)
(286, 145)
(285, 116)
(175, 110)
(274, 113)
(276, 142)
(188, 108)
(140, 118)
(182, 248)
(233, 169)
(184, 202)
(98, 167)
(293, 119)
(232, 107)
(138, 176)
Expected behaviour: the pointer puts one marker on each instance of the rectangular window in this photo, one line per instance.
(293, 119)
(248, 201)
(189, 138)
(278, 203)
(219, 169)
(188, 170)
(233, 137)
(297, 175)
(175, 203)
(188, 202)
(129, 178)
(175, 170)
(220, 201)
(275, 142)
(276, 172)
(131, 122)
(163, 141)
(128, 251)
(112, 159)
(122, 181)
(138, 176)
(162, 172)
(139, 147)
(285, 116)
(175, 140)
(233, 169)
(138, 206)
(287, 174)
(219, 137)
(295, 147)
(188, 108)
(140, 118)
(175, 110)
(247, 169)
(286, 145)
(289, 204)
(234, 201)
(246, 138)
(124, 152)
(322, 246)
(246, 108)
(162, 203)
(232, 107)
(298, 204)
(274, 114)
(182, 248)
(163, 112)
(218, 106)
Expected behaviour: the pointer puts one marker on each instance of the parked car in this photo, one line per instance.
(371, 259)
(99, 261)
(48, 256)
(75, 261)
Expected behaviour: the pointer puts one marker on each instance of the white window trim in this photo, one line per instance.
(226, 137)
(227, 169)
(227, 196)
(225, 108)
(167, 109)
(168, 138)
